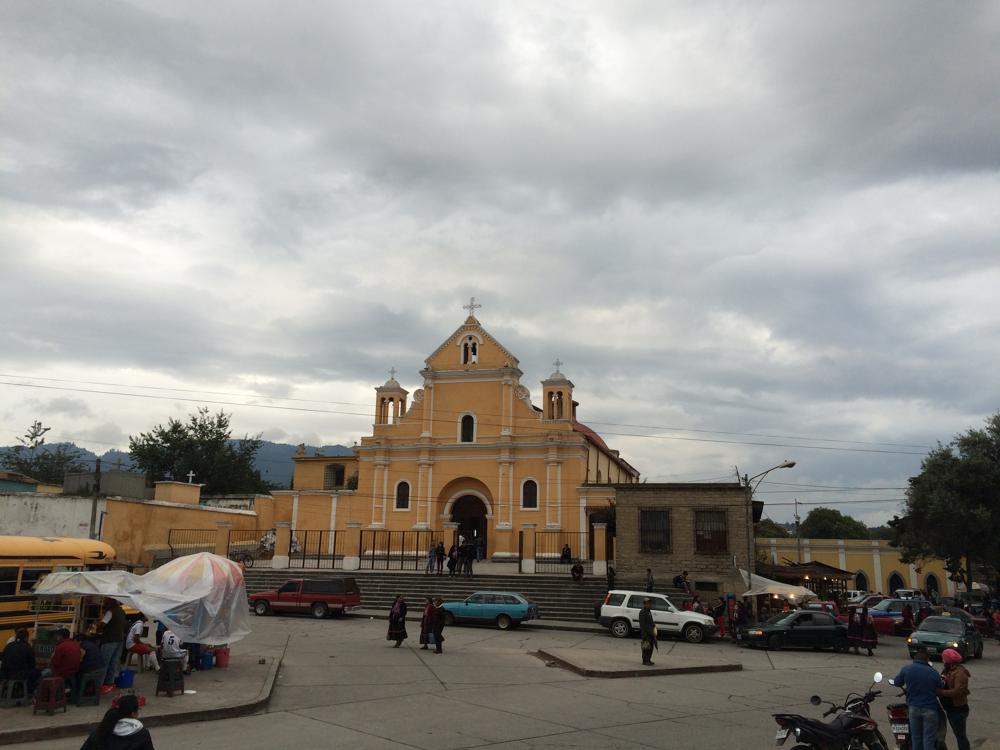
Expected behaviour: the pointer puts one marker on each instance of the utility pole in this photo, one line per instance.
(798, 531)
(93, 501)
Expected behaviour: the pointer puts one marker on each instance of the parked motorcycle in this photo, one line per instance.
(852, 729)
(899, 723)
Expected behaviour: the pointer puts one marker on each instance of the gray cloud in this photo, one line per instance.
(749, 218)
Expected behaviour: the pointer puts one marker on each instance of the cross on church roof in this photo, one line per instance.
(472, 306)
(558, 364)
(392, 372)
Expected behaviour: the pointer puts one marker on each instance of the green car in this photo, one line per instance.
(941, 632)
(800, 629)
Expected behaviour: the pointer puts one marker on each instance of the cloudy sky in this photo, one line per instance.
(752, 231)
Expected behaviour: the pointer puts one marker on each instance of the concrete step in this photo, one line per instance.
(557, 596)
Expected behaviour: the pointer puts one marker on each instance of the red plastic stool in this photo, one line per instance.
(51, 695)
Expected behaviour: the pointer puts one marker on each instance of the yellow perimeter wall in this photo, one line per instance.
(876, 560)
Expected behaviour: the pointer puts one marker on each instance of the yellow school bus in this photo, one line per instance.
(25, 559)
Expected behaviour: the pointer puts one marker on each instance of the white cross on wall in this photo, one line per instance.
(190, 476)
(472, 306)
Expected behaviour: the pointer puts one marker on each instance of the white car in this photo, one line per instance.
(855, 596)
(620, 614)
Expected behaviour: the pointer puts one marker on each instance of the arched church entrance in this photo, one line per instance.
(469, 512)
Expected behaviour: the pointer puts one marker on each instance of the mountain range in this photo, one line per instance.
(273, 460)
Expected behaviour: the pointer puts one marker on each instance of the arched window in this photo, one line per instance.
(932, 584)
(895, 583)
(468, 431)
(861, 581)
(403, 496)
(529, 494)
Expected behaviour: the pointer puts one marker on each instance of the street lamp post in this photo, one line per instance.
(749, 489)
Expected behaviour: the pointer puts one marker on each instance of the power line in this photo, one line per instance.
(538, 429)
(669, 428)
(832, 486)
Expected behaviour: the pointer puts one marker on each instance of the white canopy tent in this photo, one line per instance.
(201, 597)
(758, 586)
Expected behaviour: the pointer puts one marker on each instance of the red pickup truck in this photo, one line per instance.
(318, 596)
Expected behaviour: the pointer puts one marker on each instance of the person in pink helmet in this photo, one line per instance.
(954, 696)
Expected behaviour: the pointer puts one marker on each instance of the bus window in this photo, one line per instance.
(8, 581)
(30, 576)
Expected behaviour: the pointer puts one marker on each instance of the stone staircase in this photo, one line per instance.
(557, 596)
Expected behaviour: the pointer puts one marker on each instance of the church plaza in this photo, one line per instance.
(341, 685)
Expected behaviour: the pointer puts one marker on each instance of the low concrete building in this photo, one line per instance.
(705, 529)
(40, 514)
(113, 482)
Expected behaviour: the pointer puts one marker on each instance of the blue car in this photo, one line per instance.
(506, 609)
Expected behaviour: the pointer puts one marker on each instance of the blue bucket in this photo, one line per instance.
(126, 679)
(207, 661)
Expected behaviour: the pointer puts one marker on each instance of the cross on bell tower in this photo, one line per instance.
(472, 307)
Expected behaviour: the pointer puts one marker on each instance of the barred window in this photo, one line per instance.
(710, 535)
(654, 530)
(333, 477)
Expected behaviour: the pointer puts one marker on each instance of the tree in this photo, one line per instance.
(953, 505)
(880, 532)
(768, 529)
(46, 464)
(827, 523)
(203, 445)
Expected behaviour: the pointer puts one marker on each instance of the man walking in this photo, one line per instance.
(112, 640)
(438, 625)
(647, 629)
(649, 581)
(922, 682)
(431, 558)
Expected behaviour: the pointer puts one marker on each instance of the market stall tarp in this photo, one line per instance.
(201, 597)
(759, 585)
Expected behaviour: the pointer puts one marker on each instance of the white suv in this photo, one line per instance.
(620, 614)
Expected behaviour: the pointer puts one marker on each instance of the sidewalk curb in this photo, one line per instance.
(232, 711)
(620, 673)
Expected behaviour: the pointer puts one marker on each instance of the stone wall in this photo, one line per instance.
(37, 514)
(715, 574)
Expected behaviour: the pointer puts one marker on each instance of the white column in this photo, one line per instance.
(295, 510)
(806, 551)
(841, 554)
(430, 496)
(385, 491)
(914, 580)
(877, 564)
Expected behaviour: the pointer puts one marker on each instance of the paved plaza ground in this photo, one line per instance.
(341, 685)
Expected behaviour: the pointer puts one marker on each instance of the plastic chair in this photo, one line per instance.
(171, 678)
(133, 659)
(88, 688)
(51, 695)
(14, 693)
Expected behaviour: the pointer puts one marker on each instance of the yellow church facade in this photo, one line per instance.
(469, 451)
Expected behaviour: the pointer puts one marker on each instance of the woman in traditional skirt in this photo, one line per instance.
(397, 622)
(869, 636)
(855, 628)
(427, 624)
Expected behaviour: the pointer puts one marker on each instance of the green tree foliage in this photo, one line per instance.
(33, 458)
(203, 445)
(953, 505)
(880, 532)
(768, 529)
(827, 523)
